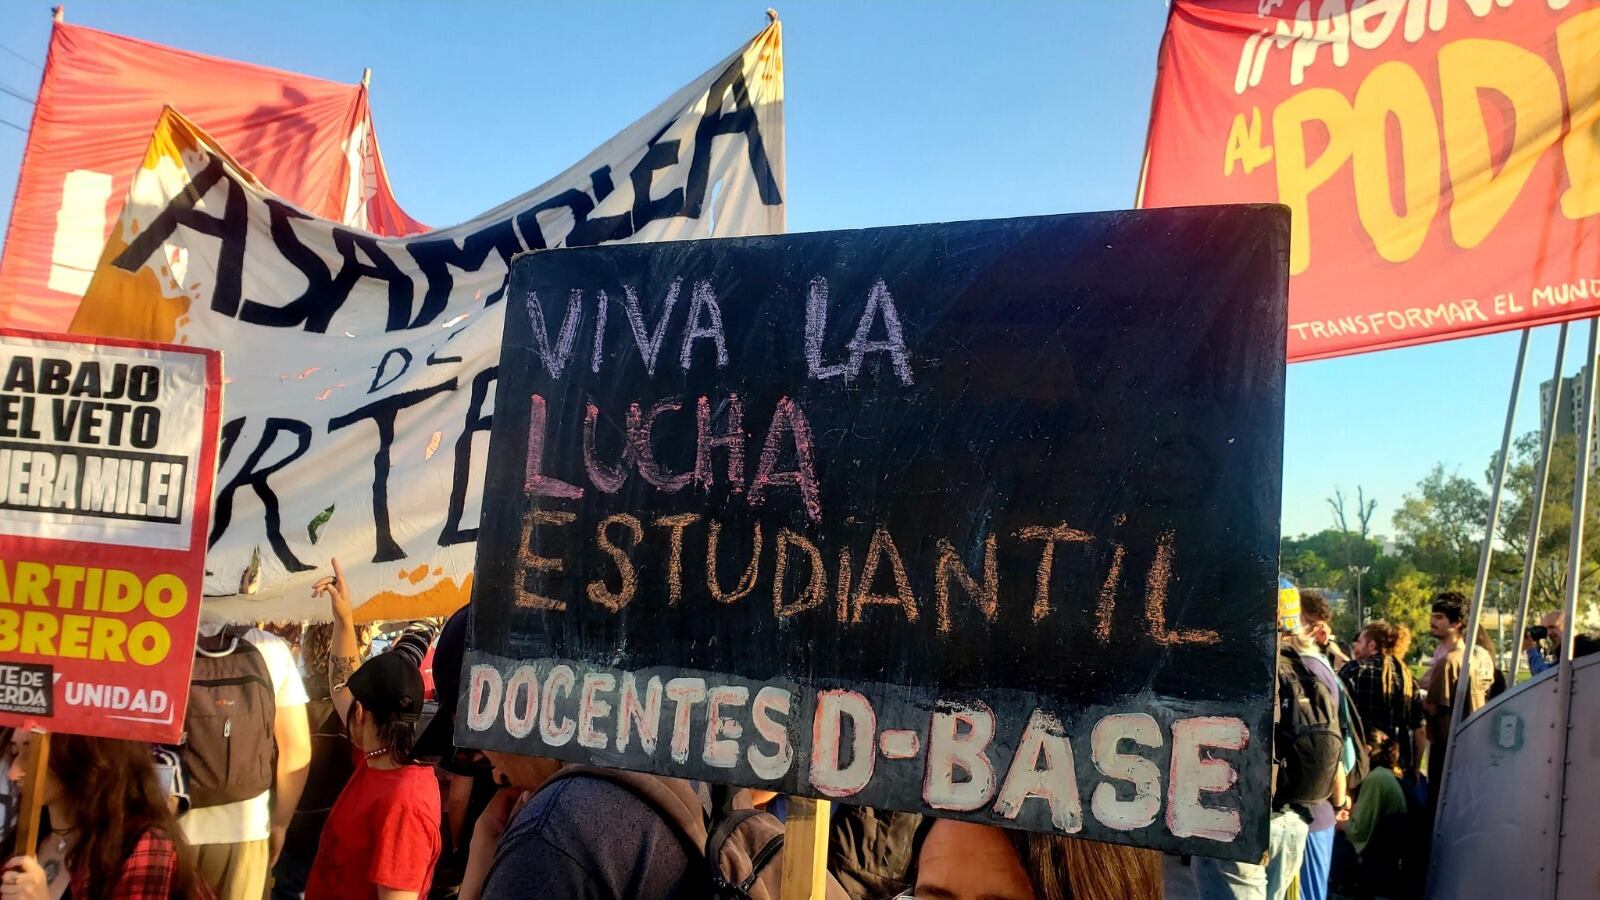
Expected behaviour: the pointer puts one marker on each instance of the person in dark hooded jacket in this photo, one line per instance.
(606, 834)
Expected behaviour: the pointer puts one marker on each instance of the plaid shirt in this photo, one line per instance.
(1395, 711)
(148, 873)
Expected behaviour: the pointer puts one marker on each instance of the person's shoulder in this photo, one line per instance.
(1380, 775)
(1321, 667)
(153, 837)
(586, 810)
(538, 857)
(260, 638)
(616, 836)
(420, 790)
(1384, 781)
(288, 688)
(154, 851)
(576, 794)
(553, 826)
(1352, 668)
(273, 649)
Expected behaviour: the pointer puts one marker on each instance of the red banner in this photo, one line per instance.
(1441, 158)
(108, 450)
(309, 140)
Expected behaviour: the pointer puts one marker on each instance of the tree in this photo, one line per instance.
(1364, 510)
(1318, 561)
(1354, 570)
(1440, 526)
(1555, 531)
(1323, 559)
(1406, 600)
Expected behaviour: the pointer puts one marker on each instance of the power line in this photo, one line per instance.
(21, 57)
(7, 89)
(13, 125)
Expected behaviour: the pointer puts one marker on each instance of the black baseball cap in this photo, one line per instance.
(438, 739)
(389, 684)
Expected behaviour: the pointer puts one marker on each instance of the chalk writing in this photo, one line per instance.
(967, 520)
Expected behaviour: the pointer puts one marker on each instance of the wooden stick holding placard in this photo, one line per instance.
(38, 769)
(805, 849)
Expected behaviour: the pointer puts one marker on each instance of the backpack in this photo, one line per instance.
(754, 828)
(871, 851)
(1306, 739)
(1355, 755)
(228, 747)
(169, 774)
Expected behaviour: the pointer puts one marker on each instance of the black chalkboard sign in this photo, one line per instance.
(976, 519)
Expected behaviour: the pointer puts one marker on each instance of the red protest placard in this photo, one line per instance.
(107, 454)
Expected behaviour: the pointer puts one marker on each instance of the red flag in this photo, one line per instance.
(309, 140)
(1441, 159)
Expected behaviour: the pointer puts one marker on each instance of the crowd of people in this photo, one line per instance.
(1356, 740)
(319, 765)
(309, 772)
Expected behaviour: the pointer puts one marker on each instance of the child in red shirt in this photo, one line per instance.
(382, 837)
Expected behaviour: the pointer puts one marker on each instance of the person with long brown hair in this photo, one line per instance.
(957, 860)
(111, 821)
(1381, 687)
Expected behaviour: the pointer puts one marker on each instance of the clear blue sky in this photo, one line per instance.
(896, 112)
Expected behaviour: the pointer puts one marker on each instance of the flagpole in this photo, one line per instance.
(1150, 119)
(1536, 514)
(1485, 555)
(1580, 496)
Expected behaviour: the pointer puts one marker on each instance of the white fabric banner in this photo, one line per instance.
(359, 370)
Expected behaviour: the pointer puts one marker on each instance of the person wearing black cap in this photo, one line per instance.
(469, 785)
(382, 837)
(438, 739)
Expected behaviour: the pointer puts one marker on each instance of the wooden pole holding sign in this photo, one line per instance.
(37, 766)
(805, 849)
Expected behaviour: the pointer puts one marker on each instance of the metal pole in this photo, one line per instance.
(1580, 496)
(1485, 554)
(1536, 515)
(1356, 604)
(1500, 623)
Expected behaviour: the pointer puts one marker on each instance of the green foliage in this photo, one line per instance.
(1555, 531)
(1324, 559)
(1344, 618)
(1407, 600)
(1438, 535)
(1440, 526)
